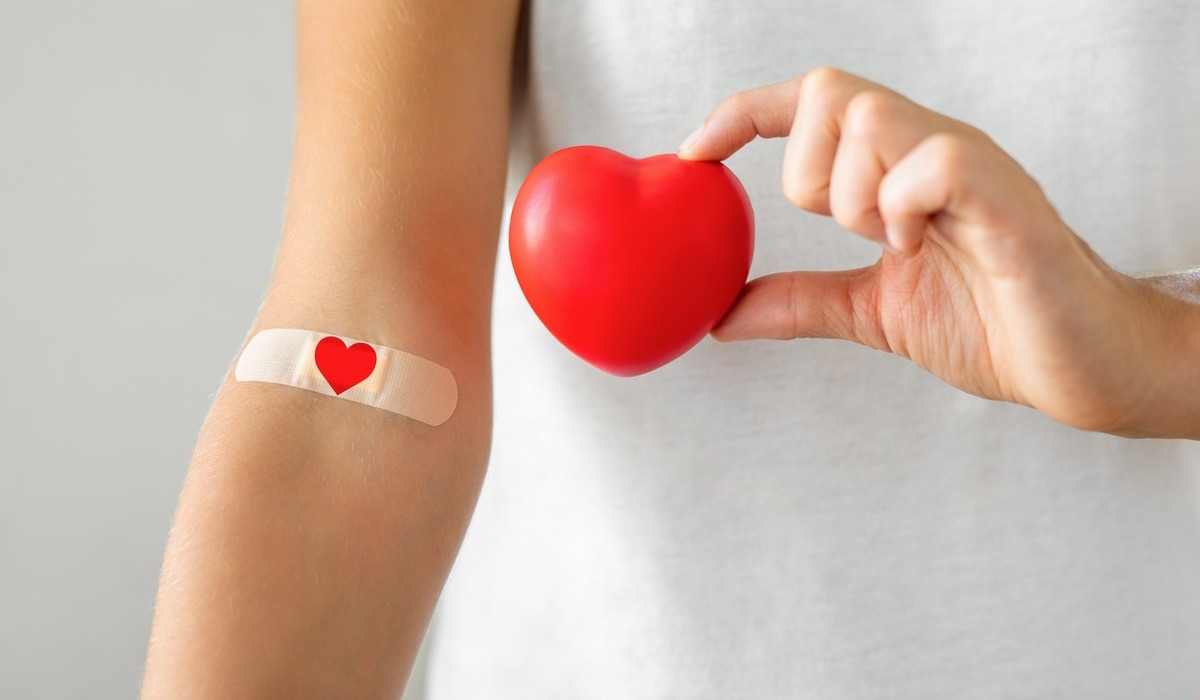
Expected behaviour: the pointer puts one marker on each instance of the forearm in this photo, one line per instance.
(307, 564)
(1183, 285)
(314, 534)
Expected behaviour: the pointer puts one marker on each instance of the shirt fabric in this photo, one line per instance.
(815, 519)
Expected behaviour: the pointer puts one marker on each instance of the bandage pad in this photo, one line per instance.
(333, 365)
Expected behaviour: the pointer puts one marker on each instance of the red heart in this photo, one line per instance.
(629, 263)
(342, 366)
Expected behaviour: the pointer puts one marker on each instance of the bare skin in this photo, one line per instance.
(314, 535)
(980, 282)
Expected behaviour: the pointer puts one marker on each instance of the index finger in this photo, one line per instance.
(766, 111)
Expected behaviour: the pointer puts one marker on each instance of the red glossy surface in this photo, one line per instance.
(629, 263)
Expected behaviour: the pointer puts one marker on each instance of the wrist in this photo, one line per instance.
(1168, 403)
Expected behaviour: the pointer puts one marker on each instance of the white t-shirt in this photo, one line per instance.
(815, 519)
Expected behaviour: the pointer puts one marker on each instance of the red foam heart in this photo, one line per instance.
(343, 367)
(629, 263)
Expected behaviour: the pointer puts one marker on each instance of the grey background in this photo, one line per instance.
(144, 150)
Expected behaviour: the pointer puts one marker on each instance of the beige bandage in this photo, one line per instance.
(333, 365)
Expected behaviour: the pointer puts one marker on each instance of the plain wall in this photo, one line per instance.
(144, 150)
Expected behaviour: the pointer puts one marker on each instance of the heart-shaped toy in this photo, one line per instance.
(628, 262)
(343, 367)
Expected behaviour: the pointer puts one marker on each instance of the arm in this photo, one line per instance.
(314, 534)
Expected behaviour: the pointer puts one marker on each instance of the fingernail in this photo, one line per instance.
(691, 139)
(889, 240)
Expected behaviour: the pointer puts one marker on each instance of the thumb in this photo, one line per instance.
(805, 305)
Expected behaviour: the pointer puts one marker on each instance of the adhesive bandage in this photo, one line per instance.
(374, 375)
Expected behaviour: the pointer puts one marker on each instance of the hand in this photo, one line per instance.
(980, 282)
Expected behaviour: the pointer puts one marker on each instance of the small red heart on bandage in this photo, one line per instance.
(342, 366)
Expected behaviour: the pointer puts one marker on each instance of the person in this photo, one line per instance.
(756, 519)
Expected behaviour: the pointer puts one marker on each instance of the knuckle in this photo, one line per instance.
(950, 156)
(819, 80)
(737, 103)
(866, 323)
(867, 113)
(791, 190)
(803, 195)
(891, 200)
(849, 217)
(794, 308)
